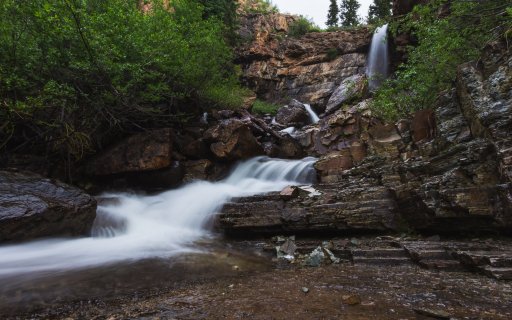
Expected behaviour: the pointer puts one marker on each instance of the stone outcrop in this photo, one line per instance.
(145, 151)
(33, 207)
(445, 170)
(233, 140)
(293, 114)
(279, 67)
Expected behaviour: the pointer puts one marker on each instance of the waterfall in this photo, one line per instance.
(312, 115)
(139, 227)
(378, 58)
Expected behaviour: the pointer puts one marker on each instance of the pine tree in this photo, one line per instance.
(380, 9)
(348, 13)
(332, 16)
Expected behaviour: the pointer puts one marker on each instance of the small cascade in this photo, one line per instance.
(289, 130)
(312, 115)
(160, 226)
(378, 58)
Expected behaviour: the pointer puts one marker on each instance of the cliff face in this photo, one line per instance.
(445, 170)
(279, 67)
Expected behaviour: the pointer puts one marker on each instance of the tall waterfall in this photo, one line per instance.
(163, 225)
(378, 58)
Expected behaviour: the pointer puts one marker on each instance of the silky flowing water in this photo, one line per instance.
(138, 237)
(378, 58)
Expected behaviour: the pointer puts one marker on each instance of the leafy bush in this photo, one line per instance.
(262, 107)
(302, 26)
(74, 74)
(260, 6)
(444, 42)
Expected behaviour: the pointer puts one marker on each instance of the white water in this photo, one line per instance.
(163, 225)
(312, 115)
(378, 58)
(289, 130)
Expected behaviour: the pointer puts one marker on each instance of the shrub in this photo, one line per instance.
(262, 107)
(74, 74)
(302, 26)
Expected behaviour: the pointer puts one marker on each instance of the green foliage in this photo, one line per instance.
(302, 26)
(262, 107)
(225, 10)
(332, 15)
(348, 13)
(444, 42)
(76, 73)
(260, 6)
(380, 10)
(332, 54)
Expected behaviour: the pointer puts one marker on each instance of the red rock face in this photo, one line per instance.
(233, 140)
(423, 126)
(141, 152)
(279, 67)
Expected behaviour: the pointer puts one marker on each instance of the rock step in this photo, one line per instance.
(498, 273)
(441, 264)
(382, 260)
(436, 254)
(379, 253)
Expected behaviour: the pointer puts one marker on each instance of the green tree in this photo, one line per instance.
(348, 13)
(76, 74)
(379, 10)
(332, 15)
(225, 10)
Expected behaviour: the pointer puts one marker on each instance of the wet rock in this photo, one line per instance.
(385, 140)
(315, 258)
(141, 152)
(32, 206)
(290, 192)
(432, 313)
(351, 299)
(197, 170)
(423, 126)
(292, 115)
(329, 167)
(487, 104)
(349, 89)
(232, 139)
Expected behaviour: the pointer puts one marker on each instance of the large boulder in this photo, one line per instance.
(292, 115)
(32, 206)
(232, 139)
(350, 88)
(146, 151)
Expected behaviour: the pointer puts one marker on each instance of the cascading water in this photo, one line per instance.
(160, 226)
(378, 58)
(312, 115)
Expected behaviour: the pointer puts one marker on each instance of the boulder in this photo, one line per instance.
(232, 140)
(330, 166)
(144, 151)
(350, 88)
(292, 115)
(32, 206)
(423, 126)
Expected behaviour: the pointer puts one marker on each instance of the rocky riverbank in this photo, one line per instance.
(381, 278)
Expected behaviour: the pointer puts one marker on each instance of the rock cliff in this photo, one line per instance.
(445, 170)
(279, 67)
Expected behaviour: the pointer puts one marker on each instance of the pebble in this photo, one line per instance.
(305, 290)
